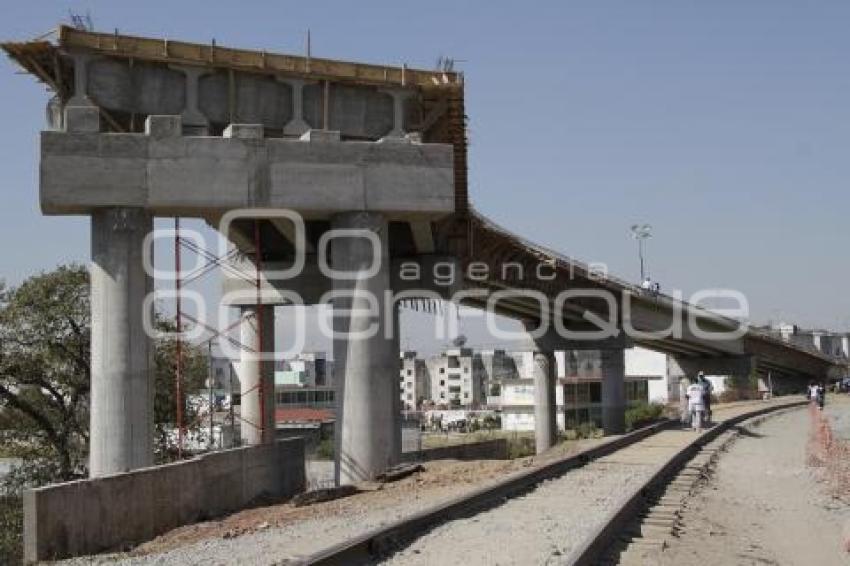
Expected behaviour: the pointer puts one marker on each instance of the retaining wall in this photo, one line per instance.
(496, 449)
(117, 511)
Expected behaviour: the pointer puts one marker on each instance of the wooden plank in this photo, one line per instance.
(199, 54)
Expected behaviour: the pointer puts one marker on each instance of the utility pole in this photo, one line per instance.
(210, 383)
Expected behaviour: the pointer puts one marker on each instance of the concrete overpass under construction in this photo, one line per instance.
(368, 164)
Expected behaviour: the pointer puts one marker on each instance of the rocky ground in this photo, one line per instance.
(542, 527)
(766, 504)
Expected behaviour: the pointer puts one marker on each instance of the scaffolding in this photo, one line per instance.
(210, 262)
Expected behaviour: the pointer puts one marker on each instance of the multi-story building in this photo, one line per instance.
(456, 379)
(415, 383)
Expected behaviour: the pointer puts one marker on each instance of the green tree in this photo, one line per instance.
(45, 344)
(194, 371)
(44, 373)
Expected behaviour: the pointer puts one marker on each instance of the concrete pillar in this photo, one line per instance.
(121, 352)
(613, 367)
(545, 423)
(257, 424)
(366, 359)
(396, 385)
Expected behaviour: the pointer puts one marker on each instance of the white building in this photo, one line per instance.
(457, 379)
(415, 382)
(650, 365)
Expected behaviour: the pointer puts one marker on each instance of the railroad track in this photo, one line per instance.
(667, 452)
(642, 526)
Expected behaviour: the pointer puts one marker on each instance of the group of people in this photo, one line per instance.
(816, 394)
(650, 286)
(696, 401)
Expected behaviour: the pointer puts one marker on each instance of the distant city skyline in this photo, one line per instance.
(723, 125)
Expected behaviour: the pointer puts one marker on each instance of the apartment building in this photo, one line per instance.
(414, 381)
(457, 379)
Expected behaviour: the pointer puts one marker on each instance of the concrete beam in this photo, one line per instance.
(311, 284)
(741, 366)
(194, 121)
(423, 237)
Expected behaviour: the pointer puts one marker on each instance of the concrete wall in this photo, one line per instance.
(116, 511)
(496, 449)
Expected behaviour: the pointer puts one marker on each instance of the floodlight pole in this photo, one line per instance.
(641, 233)
(640, 255)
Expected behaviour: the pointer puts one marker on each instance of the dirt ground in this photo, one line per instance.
(765, 504)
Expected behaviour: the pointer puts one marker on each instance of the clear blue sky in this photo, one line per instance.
(724, 124)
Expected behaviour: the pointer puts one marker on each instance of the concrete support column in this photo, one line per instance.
(121, 351)
(365, 358)
(613, 367)
(545, 420)
(258, 424)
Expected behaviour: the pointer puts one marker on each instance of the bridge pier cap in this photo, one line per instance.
(205, 177)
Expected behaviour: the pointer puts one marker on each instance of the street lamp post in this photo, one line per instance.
(641, 232)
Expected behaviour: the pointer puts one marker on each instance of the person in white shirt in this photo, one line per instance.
(696, 404)
(813, 392)
(707, 389)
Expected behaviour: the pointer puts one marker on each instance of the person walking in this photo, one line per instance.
(708, 389)
(813, 392)
(821, 396)
(696, 404)
(684, 411)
